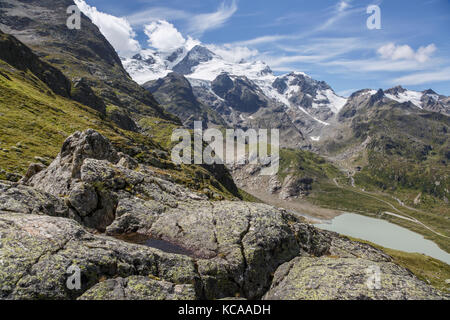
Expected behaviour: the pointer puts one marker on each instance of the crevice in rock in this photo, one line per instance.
(241, 244)
(37, 260)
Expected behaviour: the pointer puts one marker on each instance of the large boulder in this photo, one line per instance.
(333, 278)
(58, 178)
(139, 288)
(37, 252)
(161, 240)
(18, 198)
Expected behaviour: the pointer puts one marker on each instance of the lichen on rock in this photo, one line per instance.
(87, 205)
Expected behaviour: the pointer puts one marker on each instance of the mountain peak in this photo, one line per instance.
(194, 57)
(378, 96)
(395, 90)
(430, 91)
(199, 49)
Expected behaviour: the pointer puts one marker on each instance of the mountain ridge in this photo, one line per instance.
(310, 104)
(97, 190)
(84, 56)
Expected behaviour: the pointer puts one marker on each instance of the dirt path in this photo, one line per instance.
(401, 214)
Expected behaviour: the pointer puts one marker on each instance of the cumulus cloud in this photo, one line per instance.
(117, 31)
(209, 21)
(404, 52)
(163, 36)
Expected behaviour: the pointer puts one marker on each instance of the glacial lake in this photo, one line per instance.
(385, 234)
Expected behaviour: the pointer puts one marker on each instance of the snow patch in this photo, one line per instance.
(414, 97)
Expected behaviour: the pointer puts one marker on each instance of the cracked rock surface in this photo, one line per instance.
(91, 204)
(311, 278)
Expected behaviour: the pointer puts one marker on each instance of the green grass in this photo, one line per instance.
(34, 122)
(304, 163)
(160, 130)
(348, 199)
(325, 193)
(407, 154)
(245, 196)
(330, 196)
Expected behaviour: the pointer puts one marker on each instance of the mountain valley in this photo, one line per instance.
(87, 178)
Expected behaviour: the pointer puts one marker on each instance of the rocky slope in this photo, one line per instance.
(84, 56)
(138, 226)
(175, 94)
(22, 58)
(40, 105)
(227, 248)
(405, 146)
(306, 107)
(391, 142)
(298, 105)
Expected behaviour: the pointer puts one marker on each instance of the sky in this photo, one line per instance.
(327, 39)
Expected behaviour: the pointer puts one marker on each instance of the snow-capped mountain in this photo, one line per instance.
(422, 100)
(308, 103)
(427, 99)
(248, 94)
(150, 65)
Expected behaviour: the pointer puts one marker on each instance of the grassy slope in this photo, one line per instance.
(346, 198)
(407, 155)
(306, 164)
(332, 189)
(35, 122)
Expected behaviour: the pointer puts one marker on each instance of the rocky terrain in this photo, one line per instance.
(248, 94)
(84, 56)
(392, 141)
(175, 93)
(86, 208)
(101, 193)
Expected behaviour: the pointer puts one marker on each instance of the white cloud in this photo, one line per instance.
(424, 77)
(285, 61)
(375, 65)
(338, 12)
(191, 42)
(117, 31)
(200, 23)
(163, 36)
(404, 52)
(341, 6)
(196, 24)
(264, 39)
(157, 13)
(233, 53)
(317, 51)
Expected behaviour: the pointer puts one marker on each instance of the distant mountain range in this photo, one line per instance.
(87, 181)
(244, 93)
(394, 140)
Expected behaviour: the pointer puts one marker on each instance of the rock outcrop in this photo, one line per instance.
(136, 287)
(37, 252)
(310, 278)
(120, 222)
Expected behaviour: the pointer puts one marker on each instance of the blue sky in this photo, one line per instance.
(328, 39)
